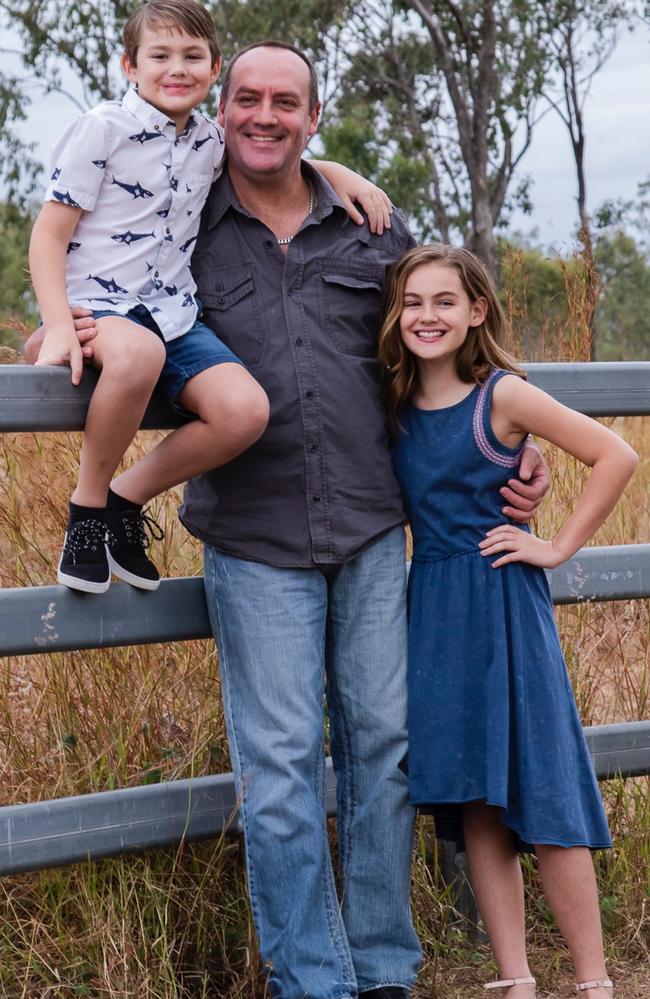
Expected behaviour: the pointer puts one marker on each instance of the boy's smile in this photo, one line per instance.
(173, 72)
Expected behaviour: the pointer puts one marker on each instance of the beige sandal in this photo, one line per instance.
(601, 983)
(507, 983)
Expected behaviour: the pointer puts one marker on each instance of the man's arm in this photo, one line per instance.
(525, 494)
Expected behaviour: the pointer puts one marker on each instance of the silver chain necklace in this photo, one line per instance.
(287, 239)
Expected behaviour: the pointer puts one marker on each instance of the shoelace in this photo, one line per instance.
(140, 529)
(85, 535)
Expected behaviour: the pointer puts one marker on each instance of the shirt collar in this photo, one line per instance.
(223, 196)
(150, 116)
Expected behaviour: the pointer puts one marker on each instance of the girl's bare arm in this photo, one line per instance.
(519, 408)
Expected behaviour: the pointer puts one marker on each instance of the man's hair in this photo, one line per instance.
(272, 43)
(180, 15)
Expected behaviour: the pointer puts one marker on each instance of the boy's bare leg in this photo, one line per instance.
(569, 883)
(497, 882)
(232, 411)
(130, 359)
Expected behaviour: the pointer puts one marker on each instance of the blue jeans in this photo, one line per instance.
(286, 637)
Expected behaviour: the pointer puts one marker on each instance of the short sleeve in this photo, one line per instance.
(78, 163)
(219, 153)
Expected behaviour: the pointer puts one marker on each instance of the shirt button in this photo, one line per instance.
(309, 395)
(316, 499)
(219, 287)
(156, 273)
(268, 244)
(156, 128)
(220, 300)
(313, 448)
(299, 341)
(168, 231)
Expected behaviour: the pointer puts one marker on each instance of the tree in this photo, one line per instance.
(84, 36)
(581, 35)
(445, 93)
(17, 302)
(623, 316)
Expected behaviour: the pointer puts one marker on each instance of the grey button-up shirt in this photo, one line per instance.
(318, 486)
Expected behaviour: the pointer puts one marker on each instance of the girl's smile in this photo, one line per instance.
(437, 312)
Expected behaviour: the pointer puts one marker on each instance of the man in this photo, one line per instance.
(305, 563)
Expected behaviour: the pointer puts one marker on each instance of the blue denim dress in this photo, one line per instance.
(492, 716)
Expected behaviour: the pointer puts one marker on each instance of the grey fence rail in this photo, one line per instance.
(42, 619)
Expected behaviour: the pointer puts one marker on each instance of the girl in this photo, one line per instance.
(496, 745)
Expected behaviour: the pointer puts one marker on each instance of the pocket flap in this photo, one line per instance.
(350, 275)
(226, 287)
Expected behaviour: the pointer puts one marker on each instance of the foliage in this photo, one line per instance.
(17, 302)
(82, 39)
(623, 315)
(444, 94)
(546, 299)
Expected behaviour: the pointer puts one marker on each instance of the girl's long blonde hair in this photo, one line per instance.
(481, 351)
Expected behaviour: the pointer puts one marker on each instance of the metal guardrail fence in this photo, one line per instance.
(54, 619)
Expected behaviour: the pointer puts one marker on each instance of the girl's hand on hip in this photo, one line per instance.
(520, 546)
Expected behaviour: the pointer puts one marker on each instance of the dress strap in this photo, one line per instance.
(486, 440)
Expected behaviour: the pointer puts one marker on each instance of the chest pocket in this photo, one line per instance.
(351, 300)
(231, 309)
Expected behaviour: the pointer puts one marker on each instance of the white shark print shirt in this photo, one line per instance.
(141, 188)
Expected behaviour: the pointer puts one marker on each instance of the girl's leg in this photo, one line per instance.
(130, 359)
(569, 882)
(232, 412)
(498, 886)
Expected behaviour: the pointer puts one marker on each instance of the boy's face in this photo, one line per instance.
(174, 72)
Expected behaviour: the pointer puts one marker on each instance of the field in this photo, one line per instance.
(175, 924)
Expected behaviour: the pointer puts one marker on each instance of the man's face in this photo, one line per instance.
(266, 117)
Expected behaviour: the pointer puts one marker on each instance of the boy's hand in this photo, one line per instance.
(520, 547)
(85, 327)
(527, 492)
(60, 346)
(375, 203)
(351, 187)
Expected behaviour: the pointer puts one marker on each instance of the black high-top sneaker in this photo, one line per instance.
(128, 537)
(84, 563)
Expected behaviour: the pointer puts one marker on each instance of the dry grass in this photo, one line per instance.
(174, 924)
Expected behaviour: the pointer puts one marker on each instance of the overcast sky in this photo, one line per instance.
(617, 129)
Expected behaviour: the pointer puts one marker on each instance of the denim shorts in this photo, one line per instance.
(187, 355)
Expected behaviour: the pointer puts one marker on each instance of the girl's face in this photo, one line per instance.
(437, 312)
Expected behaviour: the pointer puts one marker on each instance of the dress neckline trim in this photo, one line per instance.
(446, 409)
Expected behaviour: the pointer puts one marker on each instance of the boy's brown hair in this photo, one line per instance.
(184, 15)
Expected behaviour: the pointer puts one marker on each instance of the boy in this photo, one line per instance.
(115, 235)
